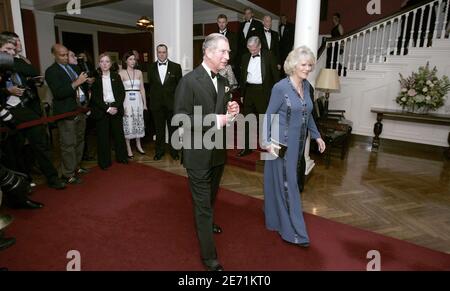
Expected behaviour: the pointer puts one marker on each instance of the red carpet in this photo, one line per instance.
(133, 217)
(246, 162)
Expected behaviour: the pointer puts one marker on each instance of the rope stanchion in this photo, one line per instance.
(45, 120)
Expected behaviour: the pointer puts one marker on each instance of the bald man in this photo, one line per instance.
(68, 95)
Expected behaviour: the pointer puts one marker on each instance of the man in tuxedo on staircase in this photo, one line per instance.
(205, 88)
(250, 27)
(259, 73)
(222, 24)
(163, 78)
(287, 33)
(270, 41)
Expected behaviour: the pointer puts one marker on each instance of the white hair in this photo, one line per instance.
(294, 57)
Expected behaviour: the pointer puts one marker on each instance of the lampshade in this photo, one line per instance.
(144, 20)
(328, 80)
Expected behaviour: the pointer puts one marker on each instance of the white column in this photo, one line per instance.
(45, 29)
(307, 33)
(17, 22)
(173, 20)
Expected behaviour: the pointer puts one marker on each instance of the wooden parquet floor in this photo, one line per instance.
(402, 192)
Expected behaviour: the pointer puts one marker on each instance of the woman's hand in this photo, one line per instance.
(321, 145)
(273, 149)
(112, 110)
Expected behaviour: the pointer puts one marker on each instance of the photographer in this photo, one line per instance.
(24, 105)
(5, 220)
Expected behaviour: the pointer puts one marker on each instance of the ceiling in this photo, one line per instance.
(145, 7)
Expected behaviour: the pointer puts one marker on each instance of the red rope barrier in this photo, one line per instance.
(45, 120)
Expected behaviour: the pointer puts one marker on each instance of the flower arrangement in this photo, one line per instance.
(423, 90)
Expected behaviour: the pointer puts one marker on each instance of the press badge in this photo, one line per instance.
(132, 96)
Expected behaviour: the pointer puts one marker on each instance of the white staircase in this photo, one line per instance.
(373, 68)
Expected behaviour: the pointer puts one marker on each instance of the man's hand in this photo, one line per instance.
(16, 91)
(82, 78)
(233, 108)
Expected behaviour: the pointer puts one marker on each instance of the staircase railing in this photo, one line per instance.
(417, 26)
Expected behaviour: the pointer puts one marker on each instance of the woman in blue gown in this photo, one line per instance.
(288, 119)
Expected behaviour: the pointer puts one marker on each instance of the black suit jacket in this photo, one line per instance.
(274, 45)
(96, 103)
(197, 89)
(269, 71)
(256, 29)
(286, 40)
(60, 84)
(233, 42)
(163, 94)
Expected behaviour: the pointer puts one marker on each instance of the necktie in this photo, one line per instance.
(162, 64)
(223, 32)
(213, 75)
(72, 75)
(256, 56)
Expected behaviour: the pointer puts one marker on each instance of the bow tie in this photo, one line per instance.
(247, 21)
(213, 75)
(266, 30)
(256, 56)
(162, 64)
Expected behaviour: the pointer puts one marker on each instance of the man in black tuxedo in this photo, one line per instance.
(287, 34)
(204, 87)
(222, 24)
(65, 84)
(163, 78)
(270, 40)
(259, 73)
(250, 27)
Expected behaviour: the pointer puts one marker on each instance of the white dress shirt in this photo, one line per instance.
(254, 75)
(268, 35)
(162, 70)
(208, 70)
(282, 30)
(108, 95)
(247, 27)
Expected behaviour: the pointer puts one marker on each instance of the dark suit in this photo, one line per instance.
(161, 101)
(71, 130)
(256, 29)
(204, 166)
(233, 42)
(286, 41)
(108, 124)
(274, 45)
(256, 97)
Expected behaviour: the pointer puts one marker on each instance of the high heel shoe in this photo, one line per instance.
(131, 157)
(141, 152)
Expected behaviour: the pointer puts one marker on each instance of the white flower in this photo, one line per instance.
(404, 99)
(428, 98)
(429, 82)
(432, 85)
(404, 90)
(425, 90)
(227, 89)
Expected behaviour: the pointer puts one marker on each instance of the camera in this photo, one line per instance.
(84, 67)
(6, 63)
